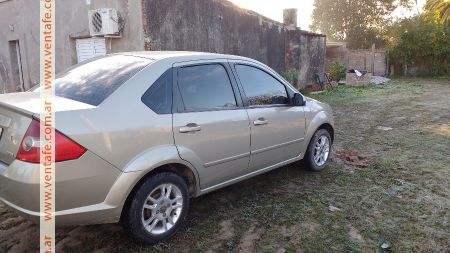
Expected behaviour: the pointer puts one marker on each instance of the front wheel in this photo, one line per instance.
(157, 209)
(319, 151)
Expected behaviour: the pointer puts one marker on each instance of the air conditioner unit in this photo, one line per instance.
(103, 22)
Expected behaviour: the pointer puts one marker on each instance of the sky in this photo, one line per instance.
(274, 9)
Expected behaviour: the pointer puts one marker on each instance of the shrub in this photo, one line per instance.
(422, 44)
(337, 72)
(291, 76)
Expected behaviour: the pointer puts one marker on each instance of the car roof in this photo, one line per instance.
(183, 55)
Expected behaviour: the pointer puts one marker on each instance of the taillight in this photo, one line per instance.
(65, 148)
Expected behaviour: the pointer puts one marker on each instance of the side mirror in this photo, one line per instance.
(298, 100)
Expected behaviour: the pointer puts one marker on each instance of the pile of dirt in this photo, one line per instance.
(353, 158)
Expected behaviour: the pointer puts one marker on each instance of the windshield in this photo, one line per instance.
(93, 81)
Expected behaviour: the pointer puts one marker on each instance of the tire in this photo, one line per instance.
(158, 211)
(309, 159)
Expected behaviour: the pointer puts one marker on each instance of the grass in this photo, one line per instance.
(401, 199)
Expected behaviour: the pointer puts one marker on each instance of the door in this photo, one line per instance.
(277, 127)
(210, 125)
(16, 65)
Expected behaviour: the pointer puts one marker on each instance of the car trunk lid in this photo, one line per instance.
(16, 112)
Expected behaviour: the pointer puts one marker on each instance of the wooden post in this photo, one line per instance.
(386, 55)
(405, 67)
(373, 59)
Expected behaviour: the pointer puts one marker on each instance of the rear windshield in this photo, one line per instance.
(93, 81)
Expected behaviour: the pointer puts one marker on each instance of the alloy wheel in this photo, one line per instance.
(162, 209)
(321, 150)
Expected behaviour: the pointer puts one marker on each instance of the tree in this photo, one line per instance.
(358, 22)
(422, 42)
(441, 8)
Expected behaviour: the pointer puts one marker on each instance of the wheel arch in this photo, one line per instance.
(179, 169)
(163, 158)
(329, 128)
(321, 120)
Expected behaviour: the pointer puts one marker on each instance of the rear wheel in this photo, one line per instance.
(158, 208)
(319, 151)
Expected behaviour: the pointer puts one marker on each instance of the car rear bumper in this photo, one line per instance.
(95, 214)
(88, 190)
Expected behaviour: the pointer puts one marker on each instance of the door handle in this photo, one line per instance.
(260, 122)
(189, 128)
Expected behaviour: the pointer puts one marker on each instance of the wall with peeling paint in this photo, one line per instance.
(197, 25)
(20, 21)
(222, 27)
(213, 26)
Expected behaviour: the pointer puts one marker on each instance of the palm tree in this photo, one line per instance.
(441, 7)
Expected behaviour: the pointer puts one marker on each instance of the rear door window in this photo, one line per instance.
(261, 88)
(206, 87)
(93, 81)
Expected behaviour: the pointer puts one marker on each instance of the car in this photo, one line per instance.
(139, 134)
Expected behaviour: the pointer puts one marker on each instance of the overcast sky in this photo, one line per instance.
(274, 9)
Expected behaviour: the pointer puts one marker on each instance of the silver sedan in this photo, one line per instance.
(140, 133)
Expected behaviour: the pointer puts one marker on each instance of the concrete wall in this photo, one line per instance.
(312, 56)
(334, 53)
(362, 59)
(213, 26)
(15, 16)
(221, 27)
(372, 61)
(305, 52)
(198, 25)
(20, 21)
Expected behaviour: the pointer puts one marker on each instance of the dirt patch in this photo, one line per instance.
(248, 240)
(226, 233)
(19, 238)
(296, 229)
(353, 158)
(354, 233)
(11, 222)
(311, 226)
(74, 238)
(303, 188)
(288, 231)
(226, 230)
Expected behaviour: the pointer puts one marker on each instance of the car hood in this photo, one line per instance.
(316, 105)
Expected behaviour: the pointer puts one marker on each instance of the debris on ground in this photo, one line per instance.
(333, 208)
(385, 247)
(281, 250)
(383, 128)
(423, 217)
(353, 158)
(379, 80)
